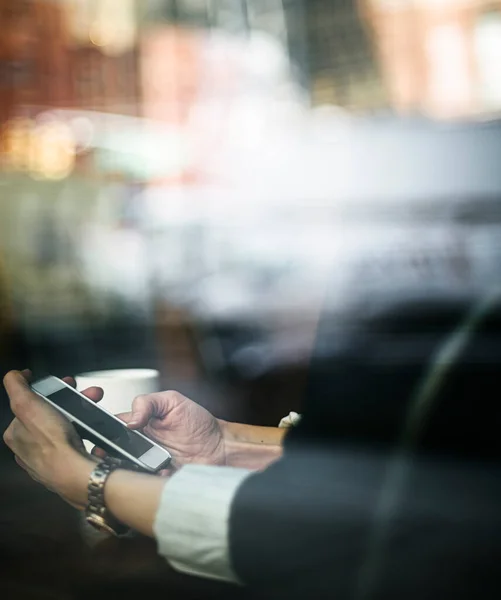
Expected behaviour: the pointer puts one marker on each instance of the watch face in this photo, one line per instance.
(100, 523)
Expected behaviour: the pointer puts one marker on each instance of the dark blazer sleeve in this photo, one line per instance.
(359, 526)
(301, 516)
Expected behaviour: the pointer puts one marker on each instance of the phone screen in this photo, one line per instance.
(87, 412)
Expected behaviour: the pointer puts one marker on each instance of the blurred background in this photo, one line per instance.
(167, 188)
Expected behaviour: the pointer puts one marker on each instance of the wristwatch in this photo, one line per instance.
(96, 513)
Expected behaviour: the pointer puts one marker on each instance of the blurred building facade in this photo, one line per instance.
(34, 65)
(46, 61)
(103, 55)
(439, 57)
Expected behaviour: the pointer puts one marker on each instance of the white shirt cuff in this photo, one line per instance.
(291, 420)
(192, 521)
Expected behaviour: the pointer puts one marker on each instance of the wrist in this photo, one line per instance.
(226, 430)
(72, 477)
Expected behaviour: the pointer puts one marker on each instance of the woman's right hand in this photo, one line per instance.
(187, 430)
(193, 435)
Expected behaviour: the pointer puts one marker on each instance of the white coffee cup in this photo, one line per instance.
(120, 387)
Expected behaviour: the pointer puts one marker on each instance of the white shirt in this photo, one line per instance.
(192, 521)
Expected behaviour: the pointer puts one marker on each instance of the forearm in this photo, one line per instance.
(250, 446)
(133, 498)
(254, 434)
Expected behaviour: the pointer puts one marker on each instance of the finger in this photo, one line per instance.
(31, 411)
(8, 435)
(27, 374)
(93, 393)
(165, 472)
(126, 417)
(14, 435)
(15, 381)
(143, 409)
(21, 463)
(18, 390)
(99, 452)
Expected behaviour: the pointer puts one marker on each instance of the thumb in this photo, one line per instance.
(143, 409)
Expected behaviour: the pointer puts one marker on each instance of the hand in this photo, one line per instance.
(45, 444)
(187, 430)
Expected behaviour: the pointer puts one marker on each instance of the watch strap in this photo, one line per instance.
(96, 512)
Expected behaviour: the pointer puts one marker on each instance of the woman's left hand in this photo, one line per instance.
(45, 444)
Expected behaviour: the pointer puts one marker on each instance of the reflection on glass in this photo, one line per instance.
(488, 56)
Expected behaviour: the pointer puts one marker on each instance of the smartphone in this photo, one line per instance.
(99, 426)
